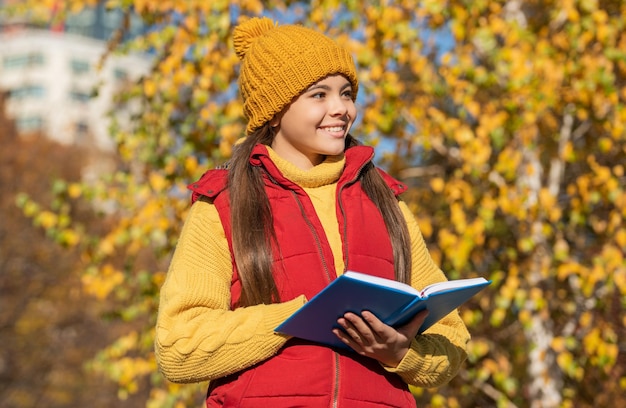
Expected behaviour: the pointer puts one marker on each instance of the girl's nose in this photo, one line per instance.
(338, 106)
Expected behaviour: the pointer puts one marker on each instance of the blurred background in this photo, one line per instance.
(507, 119)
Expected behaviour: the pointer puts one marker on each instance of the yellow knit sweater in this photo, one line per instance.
(199, 338)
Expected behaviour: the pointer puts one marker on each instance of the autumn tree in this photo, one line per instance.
(506, 118)
(49, 327)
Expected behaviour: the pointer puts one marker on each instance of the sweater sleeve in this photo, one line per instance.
(198, 337)
(436, 355)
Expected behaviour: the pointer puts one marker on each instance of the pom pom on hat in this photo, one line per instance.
(246, 33)
(281, 62)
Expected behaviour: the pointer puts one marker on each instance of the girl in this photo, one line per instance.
(299, 203)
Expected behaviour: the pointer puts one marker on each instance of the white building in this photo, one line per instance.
(55, 84)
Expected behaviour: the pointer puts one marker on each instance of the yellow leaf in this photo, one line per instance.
(140, 5)
(619, 276)
(226, 148)
(592, 341)
(191, 164)
(231, 132)
(497, 317)
(479, 348)
(255, 6)
(463, 135)
(69, 237)
(558, 344)
(157, 182)
(426, 226)
(101, 284)
(447, 239)
(47, 219)
(191, 23)
(524, 317)
(474, 108)
(149, 87)
(437, 184)
(561, 250)
(565, 360)
(376, 72)
(74, 190)
(457, 215)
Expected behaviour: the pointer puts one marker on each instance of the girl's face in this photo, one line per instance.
(316, 123)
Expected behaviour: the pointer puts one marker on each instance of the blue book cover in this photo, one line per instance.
(393, 302)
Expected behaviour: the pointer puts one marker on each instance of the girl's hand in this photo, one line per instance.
(370, 337)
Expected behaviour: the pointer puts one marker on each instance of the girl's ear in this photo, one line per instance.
(275, 121)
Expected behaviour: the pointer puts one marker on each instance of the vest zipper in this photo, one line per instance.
(315, 236)
(335, 390)
(335, 398)
(336, 385)
(345, 267)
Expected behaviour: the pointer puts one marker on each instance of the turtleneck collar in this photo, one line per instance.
(325, 173)
(340, 169)
(336, 169)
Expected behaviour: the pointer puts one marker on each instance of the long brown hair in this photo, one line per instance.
(252, 224)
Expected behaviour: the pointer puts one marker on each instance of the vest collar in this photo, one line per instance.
(355, 158)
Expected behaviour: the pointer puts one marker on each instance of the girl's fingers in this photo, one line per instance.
(358, 330)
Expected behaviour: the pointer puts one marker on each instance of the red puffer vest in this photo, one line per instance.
(304, 374)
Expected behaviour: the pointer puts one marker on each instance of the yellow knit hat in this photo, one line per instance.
(281, 62)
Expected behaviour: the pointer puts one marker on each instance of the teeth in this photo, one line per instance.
(335, 129)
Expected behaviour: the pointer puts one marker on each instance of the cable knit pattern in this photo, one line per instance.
(198, 338)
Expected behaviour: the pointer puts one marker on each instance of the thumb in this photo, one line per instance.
(412, 327)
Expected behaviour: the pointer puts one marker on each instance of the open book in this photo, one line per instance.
(394, 303)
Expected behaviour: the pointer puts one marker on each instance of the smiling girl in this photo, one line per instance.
(299, 203)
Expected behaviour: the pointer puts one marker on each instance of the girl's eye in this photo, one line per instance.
(348, 94)
(318, 95)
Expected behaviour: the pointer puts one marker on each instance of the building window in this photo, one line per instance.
(27, 124)
(27, 91)
(33, 59)
(81, 23)
(120, 74)
(112, 19)
(82, 132)
(80, 96)
(79, 67)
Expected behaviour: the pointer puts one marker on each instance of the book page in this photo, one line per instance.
(382, 282)
(449, 285)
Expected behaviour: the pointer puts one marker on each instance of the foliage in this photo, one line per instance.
(508, 120)
(45, 337)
